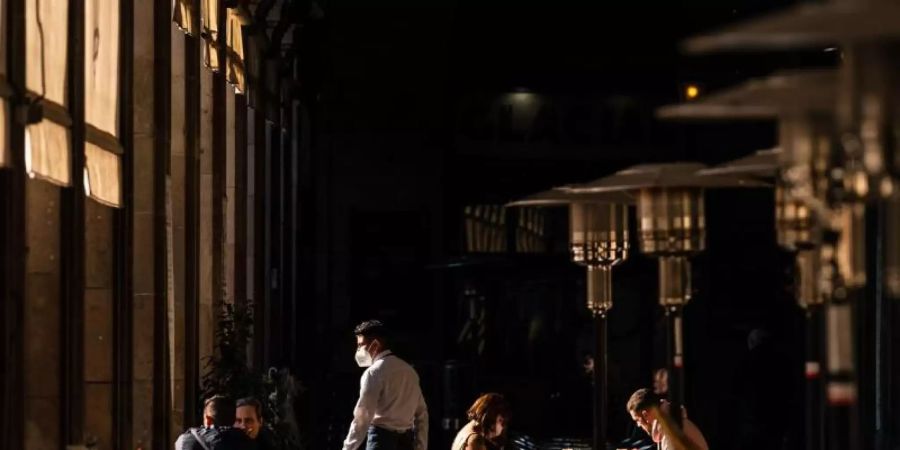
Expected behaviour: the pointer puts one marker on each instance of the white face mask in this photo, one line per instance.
(363, 358)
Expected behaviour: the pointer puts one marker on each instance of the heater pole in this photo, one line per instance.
(674, 293)
(601, 370)
(599, 296)
(891, 254)
(675, 354)
(841, 386)
(815, 406)
(842, 391)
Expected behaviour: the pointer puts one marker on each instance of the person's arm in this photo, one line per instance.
(364, 411)
(421, 424)
(693, 433)
(677, 436)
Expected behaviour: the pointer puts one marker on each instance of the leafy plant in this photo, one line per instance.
(226, 372)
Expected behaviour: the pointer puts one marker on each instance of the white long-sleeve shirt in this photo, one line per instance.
(389, 398)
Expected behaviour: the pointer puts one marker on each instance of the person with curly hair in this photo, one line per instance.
(486, 430)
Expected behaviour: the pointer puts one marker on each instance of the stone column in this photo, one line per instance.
(229, 199)
(41, 353)
(98, 324)
(206, 310)
(143, 220)
(175, 231)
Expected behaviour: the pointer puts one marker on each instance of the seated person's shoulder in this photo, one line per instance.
(476, 442)
(266, 439)
(240, 440)
(228, 438)
(187, 442)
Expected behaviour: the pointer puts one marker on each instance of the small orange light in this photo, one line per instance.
(691, 91)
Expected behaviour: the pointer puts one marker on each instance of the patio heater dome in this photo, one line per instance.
(598, 235)
(670, 215)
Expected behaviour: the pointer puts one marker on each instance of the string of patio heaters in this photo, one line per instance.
(834, 174)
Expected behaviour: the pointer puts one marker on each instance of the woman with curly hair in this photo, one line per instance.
(486, 429)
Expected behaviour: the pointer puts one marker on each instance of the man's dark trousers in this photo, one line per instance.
(382, 439)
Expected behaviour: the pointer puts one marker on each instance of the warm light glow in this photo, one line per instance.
(887, 187)
(522, 97)
(28, 150)
(4, 141)
(87, 182)
(691, 91)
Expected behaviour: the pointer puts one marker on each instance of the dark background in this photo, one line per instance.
(432, 106)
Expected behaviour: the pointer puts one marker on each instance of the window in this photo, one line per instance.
(102, 171)
(210, 33)
(236, 18)
(183, 15)
(531, 230)
(47, 143)
(234, 60)
(485, 228)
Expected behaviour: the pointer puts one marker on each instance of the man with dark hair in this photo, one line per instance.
(249, 417)
(391, 408)
(217, 432)
(372, 329)
(648, 411)
(641, 401)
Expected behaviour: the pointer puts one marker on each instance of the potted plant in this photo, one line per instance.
(226, 372)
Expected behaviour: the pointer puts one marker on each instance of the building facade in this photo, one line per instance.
(151, 156)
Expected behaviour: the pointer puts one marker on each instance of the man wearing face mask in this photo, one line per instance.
(391, 409)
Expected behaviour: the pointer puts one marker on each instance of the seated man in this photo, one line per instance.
(248, 417)
(650, 413)
(217, 432)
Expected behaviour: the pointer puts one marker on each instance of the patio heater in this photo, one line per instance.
(797, 231)
(801, 102)
(598, 232)
(671, 227)
(866, 32)
(796, 228)
(892, 245)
